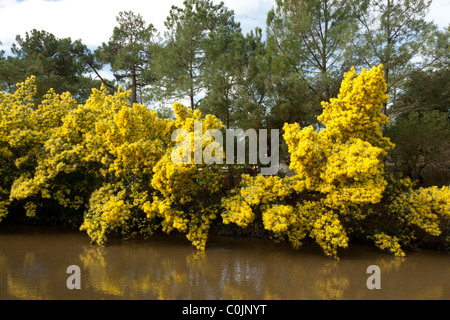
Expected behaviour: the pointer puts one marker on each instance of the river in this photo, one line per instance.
(34, 264)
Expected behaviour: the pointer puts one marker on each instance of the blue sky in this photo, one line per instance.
(92, 21)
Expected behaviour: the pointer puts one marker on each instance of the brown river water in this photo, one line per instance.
(34, 263)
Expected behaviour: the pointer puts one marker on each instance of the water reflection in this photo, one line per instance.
(33, 266)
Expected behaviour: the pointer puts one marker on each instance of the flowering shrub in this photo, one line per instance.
(110, 162)
(24, 130)
(107, 159)
(340, 175)
(410, 214)
(188, 194)
(148, 190)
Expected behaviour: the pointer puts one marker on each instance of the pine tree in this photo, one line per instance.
(182, 58)
(60, 64)
(310, 38)
(129, 52)
(395, 34)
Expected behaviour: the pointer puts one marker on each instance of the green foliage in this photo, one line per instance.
(236, 71)
(309, 40)
(182, 60)
(422, 142)
(424, 91)
(128, 51)
(393, 33)
(60, 64)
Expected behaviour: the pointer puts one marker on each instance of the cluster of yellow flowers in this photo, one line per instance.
(277, 218)
(342, 161)
(256, 191)
(390, 243)
(112, 162)
(340, 176)
(339, 168)
(106, 158)
(329, 233)
(108, 210)
(411, 210)
(187, 193)
(25, 128)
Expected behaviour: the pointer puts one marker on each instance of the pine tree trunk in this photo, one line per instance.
(133, 85)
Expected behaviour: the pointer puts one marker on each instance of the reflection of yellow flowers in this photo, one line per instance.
(433, 293)
(332, 288)
(99, 275)
(20, 289)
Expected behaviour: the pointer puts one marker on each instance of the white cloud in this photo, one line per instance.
(439, 13)
(92, 21)
(250, 13)
(89, 20)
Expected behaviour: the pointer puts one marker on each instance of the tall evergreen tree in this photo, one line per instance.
(253, 96)
(129, 52)
(237, 71)
(61, 64)
(395, 34)
(182, 59)
(424, 91)
(309, 38)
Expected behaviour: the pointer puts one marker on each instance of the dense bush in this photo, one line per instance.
(107, 159)
(109, 162)
(341, 189)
